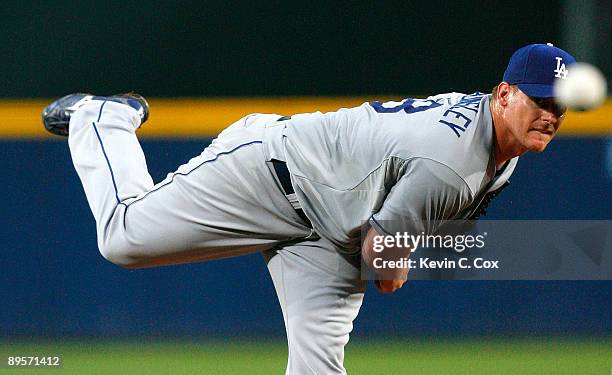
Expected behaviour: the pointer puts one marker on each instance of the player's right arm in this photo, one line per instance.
(389, 280)
(428, 193)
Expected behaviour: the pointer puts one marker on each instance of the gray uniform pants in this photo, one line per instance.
(225, 202)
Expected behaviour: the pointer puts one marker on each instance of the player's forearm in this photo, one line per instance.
(389, 263)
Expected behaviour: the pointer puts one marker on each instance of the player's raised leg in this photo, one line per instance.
(222, 203)
(107, 155)
(320, 292)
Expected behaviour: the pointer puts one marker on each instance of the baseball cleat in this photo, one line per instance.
(56, 116)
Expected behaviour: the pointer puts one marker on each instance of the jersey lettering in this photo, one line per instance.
(456, 117)
(408, 106)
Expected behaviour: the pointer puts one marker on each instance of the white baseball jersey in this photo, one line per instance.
(404, 164)
(409, 163)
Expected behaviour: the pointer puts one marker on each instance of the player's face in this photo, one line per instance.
(533, 121)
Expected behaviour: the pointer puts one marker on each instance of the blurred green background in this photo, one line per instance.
(277, 48)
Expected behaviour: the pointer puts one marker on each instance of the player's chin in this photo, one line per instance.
(538, 141)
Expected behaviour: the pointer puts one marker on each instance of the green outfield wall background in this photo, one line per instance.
(278, 48)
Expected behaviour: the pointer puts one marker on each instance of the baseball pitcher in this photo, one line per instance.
(301, 188)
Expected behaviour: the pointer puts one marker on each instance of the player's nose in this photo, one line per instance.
(551, 117)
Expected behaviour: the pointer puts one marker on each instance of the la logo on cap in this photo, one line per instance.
(561, 71)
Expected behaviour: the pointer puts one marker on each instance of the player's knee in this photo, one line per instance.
(120, 254)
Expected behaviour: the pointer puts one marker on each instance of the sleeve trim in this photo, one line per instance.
(447, 167)
(377, 227)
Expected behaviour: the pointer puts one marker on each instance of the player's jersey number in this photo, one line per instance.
(408, 106)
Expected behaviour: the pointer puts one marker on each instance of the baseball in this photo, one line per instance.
(584, 88)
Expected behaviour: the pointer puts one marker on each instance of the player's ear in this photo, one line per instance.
(502, 95)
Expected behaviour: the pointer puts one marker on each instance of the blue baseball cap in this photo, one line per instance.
(534, 69)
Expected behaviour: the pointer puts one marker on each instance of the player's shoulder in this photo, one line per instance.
(459, 136)
(430, 106)
(449, 98)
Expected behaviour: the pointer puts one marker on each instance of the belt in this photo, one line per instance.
(284, 177)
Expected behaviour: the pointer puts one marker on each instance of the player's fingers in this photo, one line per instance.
(379, 286)
(388, 286)
(385, 286)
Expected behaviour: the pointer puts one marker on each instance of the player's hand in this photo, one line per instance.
(389, 286)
